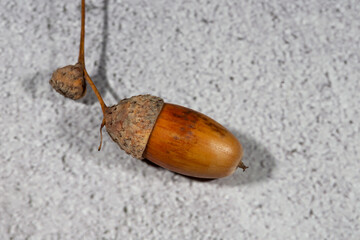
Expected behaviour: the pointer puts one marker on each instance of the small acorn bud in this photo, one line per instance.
(69, 81)
(174, 137)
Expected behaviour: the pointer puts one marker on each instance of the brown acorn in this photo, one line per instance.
(190, 143)
(174, 137)
(69, 81)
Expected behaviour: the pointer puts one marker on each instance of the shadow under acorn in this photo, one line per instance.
(260, 161)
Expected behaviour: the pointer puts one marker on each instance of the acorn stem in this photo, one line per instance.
(101, 127)
(96, 91)
(82, 35)
(82, 59)
(242, 165)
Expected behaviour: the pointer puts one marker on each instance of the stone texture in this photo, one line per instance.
(282, 75)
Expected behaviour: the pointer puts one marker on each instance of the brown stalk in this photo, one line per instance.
(81, 60)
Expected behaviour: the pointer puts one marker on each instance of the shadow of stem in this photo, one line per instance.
(35, 85)
(100, 79)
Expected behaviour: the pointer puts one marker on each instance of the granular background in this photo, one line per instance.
(282, 75)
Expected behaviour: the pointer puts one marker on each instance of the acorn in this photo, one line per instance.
(174, 137)
(69, 81)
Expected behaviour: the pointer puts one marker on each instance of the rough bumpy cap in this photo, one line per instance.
(69, 81)
(131, 121)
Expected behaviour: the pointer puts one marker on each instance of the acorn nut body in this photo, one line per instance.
(174, 137)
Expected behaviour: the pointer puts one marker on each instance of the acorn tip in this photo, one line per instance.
(242, 165)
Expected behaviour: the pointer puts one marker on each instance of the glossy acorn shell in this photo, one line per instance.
(192, 144)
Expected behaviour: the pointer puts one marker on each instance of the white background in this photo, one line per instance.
(283, 76)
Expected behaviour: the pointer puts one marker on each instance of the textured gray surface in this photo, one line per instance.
(282, 75)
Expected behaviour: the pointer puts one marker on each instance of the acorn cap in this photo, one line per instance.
(69, 81)
(131, 121)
